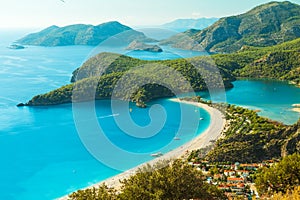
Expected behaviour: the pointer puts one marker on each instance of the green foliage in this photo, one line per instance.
(251, 138)
(289, 195)
(173, 181)
(140, 80)
(280, 177)
(266, 25)
(100, 193)
(277, 62)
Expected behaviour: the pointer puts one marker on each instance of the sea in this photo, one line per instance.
(48, 152)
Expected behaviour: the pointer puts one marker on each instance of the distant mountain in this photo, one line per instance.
(265, 25)
(82, 34)
(181, 25)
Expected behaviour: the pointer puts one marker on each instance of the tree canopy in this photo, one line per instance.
(280, 177)
(174, 181)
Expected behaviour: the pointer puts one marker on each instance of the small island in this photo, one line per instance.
(140, 46)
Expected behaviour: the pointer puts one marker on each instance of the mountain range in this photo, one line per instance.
(278, 60)
(82, 34)
(181, 25)
(265, 25)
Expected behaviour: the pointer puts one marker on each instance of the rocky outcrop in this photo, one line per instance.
(140, 46)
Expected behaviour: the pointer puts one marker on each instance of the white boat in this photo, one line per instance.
(157, 154)
(201, 118)
(176, 138)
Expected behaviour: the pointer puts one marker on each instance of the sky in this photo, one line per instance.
(43, 13)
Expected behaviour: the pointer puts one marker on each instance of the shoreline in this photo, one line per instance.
(296, 108)
(213, 132)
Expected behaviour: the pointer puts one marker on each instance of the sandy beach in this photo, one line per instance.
(217, 124)
(296, 107)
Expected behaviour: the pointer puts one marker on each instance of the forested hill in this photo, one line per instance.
(82, 34)
(113, 67)
(278, 62)
(265, 25)
(281, 62)
(251, 138)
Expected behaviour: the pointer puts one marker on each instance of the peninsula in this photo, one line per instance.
(106, 69)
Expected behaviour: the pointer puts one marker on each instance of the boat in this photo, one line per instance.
(176, 138)
(16, 46)
(157, 154)
(201, 118)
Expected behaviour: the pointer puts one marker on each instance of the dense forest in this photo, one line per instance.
(249, 138)
(176, 180)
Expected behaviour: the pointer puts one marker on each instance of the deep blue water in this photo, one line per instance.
(43, 154)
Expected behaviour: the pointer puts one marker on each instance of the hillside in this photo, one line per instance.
(265, 25)
(86, 80)
(82, 34)
(280, 62)
(277, 62)
(249, 138)
(181, 25)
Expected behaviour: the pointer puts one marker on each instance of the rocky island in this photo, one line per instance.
(140, 46)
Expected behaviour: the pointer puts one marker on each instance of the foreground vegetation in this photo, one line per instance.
(293, 194)
(280, 177)
(176, 180)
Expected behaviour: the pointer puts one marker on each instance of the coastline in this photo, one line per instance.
(296, 108)
(213, 132)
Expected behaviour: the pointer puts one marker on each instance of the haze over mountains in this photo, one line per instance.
(264, 25)
(181, 25)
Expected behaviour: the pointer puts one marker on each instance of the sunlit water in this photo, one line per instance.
(41, 151)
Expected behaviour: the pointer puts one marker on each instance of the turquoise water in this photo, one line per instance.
(42, 156)
(41, 151)
(274, 99)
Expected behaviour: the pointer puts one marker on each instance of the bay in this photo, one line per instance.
(42, 154)
(41, 151)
